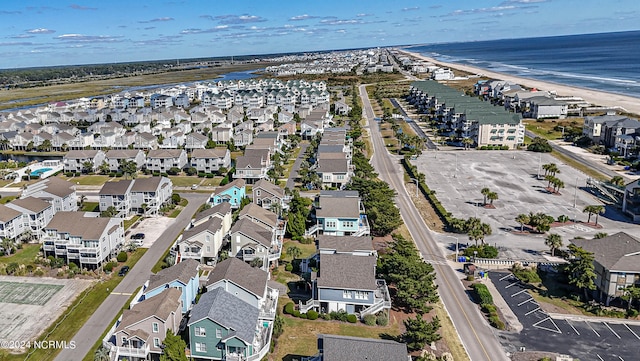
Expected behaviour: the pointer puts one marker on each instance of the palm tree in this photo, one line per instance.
(596, 209)
(550, 168)
(81, 200)
(475, 234)
(294, 252)
(87, 166)
(492, 196)
(101, 354)
(553, 241)
(557, 185)
(467, 142)
(522, 219)
(617, 181)
(7, 245)
(485, 191)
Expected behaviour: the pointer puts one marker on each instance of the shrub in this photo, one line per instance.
(339, 316)
(108, 267)
(312, 315)
(369, 320)
(288, 267)
(289, 308)
(484, 251)
(488, 308)
(303, 315)
(72, 266)
(632, 313)
(296, 313)
(351, 318)
(209, 175)
(484, 296)
(122, 256)
(470, 277)
(495, 321)
(381, 319)
(224, 181)
(325, 316)
(38, 272)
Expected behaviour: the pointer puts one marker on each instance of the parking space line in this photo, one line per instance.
(611, 329)
(574, 329)
(505, 277)
(517, 293)
(592, 329)
(532, 311)
(512, 284)
(523, 302)
(557, 330)
(630, 330)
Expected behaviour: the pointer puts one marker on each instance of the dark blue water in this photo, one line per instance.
(608, 62)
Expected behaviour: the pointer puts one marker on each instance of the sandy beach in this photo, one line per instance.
(631, 104)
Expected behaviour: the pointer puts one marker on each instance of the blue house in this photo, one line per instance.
(339, 213)
(224, 327)
(232, 193)
(183, 276)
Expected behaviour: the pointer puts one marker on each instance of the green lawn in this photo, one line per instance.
(7, 199)
(184, 181)
(25, 256)
(88, 180)
(129, 222)
(90, 207)
(212, 182)
(307, 249)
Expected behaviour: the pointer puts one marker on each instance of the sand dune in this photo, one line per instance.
(630, 104)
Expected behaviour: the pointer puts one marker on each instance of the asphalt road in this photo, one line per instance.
(476, 335)
(416, 128)
(296, 166)
(139, 274)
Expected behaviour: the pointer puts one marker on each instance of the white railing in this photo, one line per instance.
(133, 351)
(313, 229)
(304, 307)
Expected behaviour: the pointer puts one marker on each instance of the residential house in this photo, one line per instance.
(250, 284)
(345, 348)
(341, 108)
(251, 169)
(56, 191)
(287, 129)
(612, 130)
(162, 160)
(242, 138)
(268, 195)
(115, 157)
(145, 140)
(232, 193)
(334, 172)
(195, 141)
(183, 276)
(221, 211)
(616, 261)
(340, 213)
(140, 332)
(347, 282)
(257, 234)
(631, 200)
(210, 160)
(221, 135)
(543, 107)
(88, 241)
(202, 242)
(593, 127)
(75, 160)
(356, 246)
(12, 223)
(224, 327)
(148, 195)
(38, 213)
(116, 195)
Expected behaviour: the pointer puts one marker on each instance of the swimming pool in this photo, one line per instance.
(38, 172)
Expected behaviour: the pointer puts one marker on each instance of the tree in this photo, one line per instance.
(256, 263)
(600, 235)
(420, 332)
(539, 145)
(129, 167)
(110, 212)
(522, 219)
(7, 245)
(175, 198)
(550, 168)
(467, 143)
(102, 354)
(630, 293)
(553, 241)
(87, 166)
(617, 181)
(294, 252)
(581, 270)
(296, 225)
(593, 209)
(104, 167)
(174, 348)
(81, 200)
(492, 196)
(485, 192)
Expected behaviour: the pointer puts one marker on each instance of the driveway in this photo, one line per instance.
(296, 166)
(581, 337)
(152, 228)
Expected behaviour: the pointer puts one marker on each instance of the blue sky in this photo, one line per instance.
(43, 33)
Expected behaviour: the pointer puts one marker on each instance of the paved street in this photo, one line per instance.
(296, 165)
(477, 337)
(109, 309)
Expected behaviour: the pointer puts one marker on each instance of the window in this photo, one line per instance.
(346, 294)
(361, 295)
(155, 327)
(156, 342)
(200, 331)
(201, 347)
(258, 192)
(208, 249)
(218, 333)
(348, 224)
(124, 340)
(330, 224)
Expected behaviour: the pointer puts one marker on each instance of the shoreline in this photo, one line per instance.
(595, 97)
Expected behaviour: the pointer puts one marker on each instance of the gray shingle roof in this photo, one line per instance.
(254, 211)
(252, 230)
(81, 154)
(160, 306)
(344, 271)
(212, 225)
(235, 183)
(242, 274)
(209, 153)
(618, 252)
(229, 311)
(338, 207)
(345, 243)
(76, 224)
(7, 214)
(146, 184)
(115, 188)
(182, 272)
(332, 166)
(269, 187)
(221, 209)
(344, 348)
(32, 204)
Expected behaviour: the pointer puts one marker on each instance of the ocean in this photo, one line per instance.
(608, 61)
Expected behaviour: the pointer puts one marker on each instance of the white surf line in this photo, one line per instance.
(611, 329)
(630, 330)
(592, 329)
(517, 293)
(574, 329)
(505, 277)
(512, 284)
(532, 311)
(557, 330)
(523, 302)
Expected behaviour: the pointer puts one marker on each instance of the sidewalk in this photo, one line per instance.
(573, 317)
(511, 319)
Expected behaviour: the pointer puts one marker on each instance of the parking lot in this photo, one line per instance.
(579, 337)
(152, 228)
(458, 176)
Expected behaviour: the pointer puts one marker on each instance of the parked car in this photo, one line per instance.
(123, 271)
(194, 186)
(138, 236)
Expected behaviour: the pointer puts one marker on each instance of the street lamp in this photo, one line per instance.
(575, 194)
(457, 251)
(416, 181)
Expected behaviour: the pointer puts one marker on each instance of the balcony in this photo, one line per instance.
(142, 352)
(192, 255)
(381, 299)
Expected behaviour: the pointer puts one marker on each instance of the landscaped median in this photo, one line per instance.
(75, 316)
